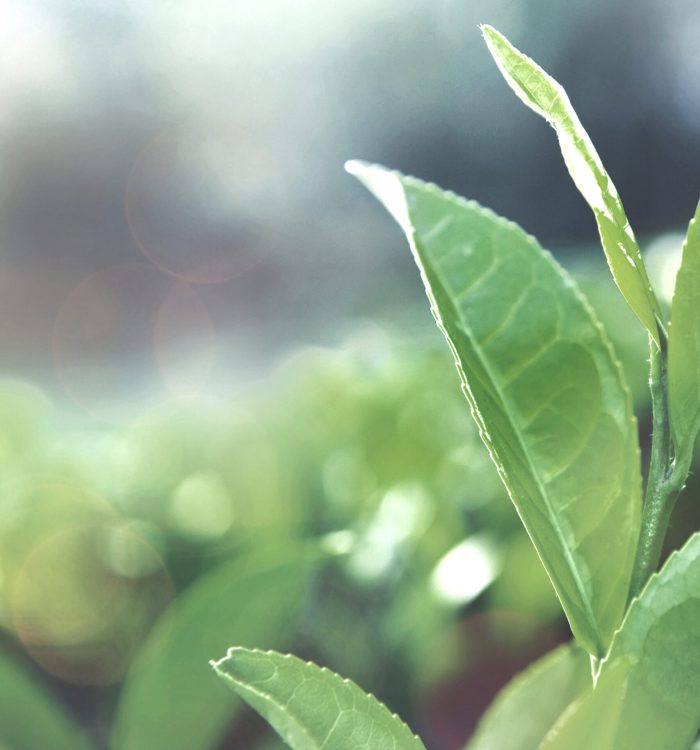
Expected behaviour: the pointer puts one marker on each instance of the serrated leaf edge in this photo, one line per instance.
(216, 664)
(493, 37)
(635, 602)
(356, 167)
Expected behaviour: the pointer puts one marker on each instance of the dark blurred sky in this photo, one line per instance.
(173, 209)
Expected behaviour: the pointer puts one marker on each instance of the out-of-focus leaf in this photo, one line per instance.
(650, 682)
(544, 388)
(527, 708)
(29, 716)
(172, 700)
(684, 345)
(312, 708)
(541, 93)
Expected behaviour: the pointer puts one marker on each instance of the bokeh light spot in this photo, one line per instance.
(201, 507)
(465, 571)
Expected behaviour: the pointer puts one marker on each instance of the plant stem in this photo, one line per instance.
(667, 475)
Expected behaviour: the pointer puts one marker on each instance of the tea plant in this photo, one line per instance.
(553, 409)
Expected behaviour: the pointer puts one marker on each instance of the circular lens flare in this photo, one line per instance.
(103, 343)
(85, 598)
(184, 341)
(178, 218)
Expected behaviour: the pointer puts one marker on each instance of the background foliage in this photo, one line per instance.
(226, 416)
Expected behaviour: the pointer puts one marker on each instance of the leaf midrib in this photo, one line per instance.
(584, 598)
(282, 707)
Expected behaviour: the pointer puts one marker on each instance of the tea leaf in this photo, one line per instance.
(171, 700)
(684, 345)
(547, 97)
(528, 706)
(29, 716)
(658, 646)
(592, 720)
(543, 386)
(312, 708)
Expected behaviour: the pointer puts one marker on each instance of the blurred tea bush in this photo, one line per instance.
(344, 507)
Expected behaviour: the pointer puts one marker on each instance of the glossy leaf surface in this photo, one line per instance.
(547, 98)
(543, 386)
(650, 683)
(312, 708)
(684, 344)
(171, 699)
(526, 709)
(29, 716)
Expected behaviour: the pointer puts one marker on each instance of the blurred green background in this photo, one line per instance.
(226, 416)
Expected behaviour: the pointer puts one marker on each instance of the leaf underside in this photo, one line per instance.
(527, 708)
(312, 708)
(684, 344)
(543, 386)
(650, 682)
(545, 96)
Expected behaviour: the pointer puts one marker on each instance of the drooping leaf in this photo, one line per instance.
(171, 700)
(29, 716)
(684, 344)
(544, 388)
(312, 708)
(657, 652)
(547, 97)
(528, 706)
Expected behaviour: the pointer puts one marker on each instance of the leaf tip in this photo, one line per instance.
(231, 653)
(354, 167)
(386, 185)
(493, 38)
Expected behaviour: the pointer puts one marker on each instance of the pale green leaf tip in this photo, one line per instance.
(355, 167)
(386, 186)
(492, 36)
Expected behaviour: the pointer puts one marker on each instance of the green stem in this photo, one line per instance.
(667, 475)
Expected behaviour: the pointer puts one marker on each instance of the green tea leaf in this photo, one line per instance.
(29, 717)
(592, 720)
(657, 649)
(171, 700)
(543, 386)
(684, 345)
(312, 708)
(544, 95)
(528, 706)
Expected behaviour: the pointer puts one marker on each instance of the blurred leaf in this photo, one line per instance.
(541, 93)
(684, 345)
(523, 584)
(312, 708)
(29, 716)
(543, 386)
(650, 682)
(171, 700)
(526, 709)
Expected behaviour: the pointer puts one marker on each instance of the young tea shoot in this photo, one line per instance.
(554, 411)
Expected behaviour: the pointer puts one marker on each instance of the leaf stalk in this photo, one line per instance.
(668, 471)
